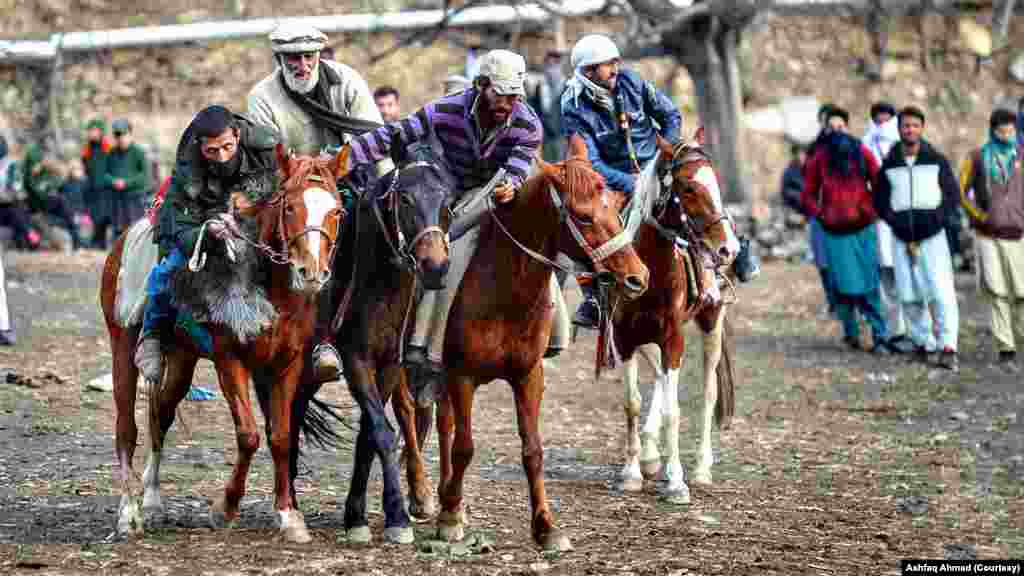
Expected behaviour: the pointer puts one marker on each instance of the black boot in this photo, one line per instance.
(589, 312)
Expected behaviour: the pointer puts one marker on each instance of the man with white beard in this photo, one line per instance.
(316, 106)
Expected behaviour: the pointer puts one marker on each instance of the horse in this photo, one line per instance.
(501, 318)
(267, 307)
(371, 324)
(690, 217)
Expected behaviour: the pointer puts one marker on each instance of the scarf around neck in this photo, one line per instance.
(580, 84)
(998, 157)
(318, 105)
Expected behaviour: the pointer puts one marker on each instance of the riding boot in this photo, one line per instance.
(560, 325)
(326, 360)
(149, 357)
(589, 312)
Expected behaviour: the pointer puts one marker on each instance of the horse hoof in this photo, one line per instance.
(293, 527)
(555, 541)
(359, 535)
(399, 535)
(631, 485)
(219, 517)
(421, 510)
(677, 495)
(450, 532)
(702, 477)
(129, 519)
(650, 468)
(152, 503)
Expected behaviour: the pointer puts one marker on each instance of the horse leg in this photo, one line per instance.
(631, 480)
(125, 376)
(712, 356)
(421, 501)
(675, 489)
(445, 438)
(528, 394)
(282, 395)
(177, 379)
(234, 384)
(357, 527)
(650, 457)
(460, 391)
(396, 521)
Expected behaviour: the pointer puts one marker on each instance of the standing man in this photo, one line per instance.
(992, 186)
(881, 135)
(837, 194)
(598, 92)
(546, 102)
(917, 194)
(97, 196)
(315, 105)
(128, 177)
(386, 99)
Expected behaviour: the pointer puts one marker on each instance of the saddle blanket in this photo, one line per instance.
(138, 258)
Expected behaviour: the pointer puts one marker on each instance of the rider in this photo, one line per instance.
(219, 153)
(592, 102)
(314, 104)
(481, 130)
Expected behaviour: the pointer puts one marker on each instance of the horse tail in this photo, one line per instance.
(725, 408)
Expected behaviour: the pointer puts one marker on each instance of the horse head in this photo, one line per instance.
(591, 214)
(411, 209)
(299, 224)
(695, 199)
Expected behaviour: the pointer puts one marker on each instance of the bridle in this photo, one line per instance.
(402, 251)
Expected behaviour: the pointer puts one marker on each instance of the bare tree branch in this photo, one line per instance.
(430, 34)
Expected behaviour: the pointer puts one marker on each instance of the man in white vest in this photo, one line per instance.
(316, 106)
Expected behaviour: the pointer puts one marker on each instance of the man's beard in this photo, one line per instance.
(301, 86)
(225, 170)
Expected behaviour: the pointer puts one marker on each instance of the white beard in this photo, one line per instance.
(301, 86)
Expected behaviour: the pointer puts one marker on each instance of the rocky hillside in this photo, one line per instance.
(161, 88)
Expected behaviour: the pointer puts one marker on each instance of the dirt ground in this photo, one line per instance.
(837, 462)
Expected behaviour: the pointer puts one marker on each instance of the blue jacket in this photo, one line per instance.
(606, 143)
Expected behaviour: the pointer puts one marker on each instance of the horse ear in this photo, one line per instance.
(282, 159)
(550, 171)
(242, 205)
(339, 163)
(664, 146)
(578, 147)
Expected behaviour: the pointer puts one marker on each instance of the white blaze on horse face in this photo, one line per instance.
(318, 203)
(706, 176)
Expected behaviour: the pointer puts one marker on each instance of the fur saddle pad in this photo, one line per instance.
(140, 255)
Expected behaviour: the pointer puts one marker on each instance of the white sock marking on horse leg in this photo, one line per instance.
(673, 467)
(650, 455)
(712, 355)
(630, 473)
(151, 482)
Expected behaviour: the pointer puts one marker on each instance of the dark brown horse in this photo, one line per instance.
(285, 244)
(687, 237)
(395, 243)
(501, 318)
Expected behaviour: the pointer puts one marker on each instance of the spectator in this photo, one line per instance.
(546, 102)
(992, 193)
(128, 177)
(917, 192)
(12, 201)
(882, 133)
(836, 193)
(815, 233)
(43, 181)
(1020, 121)
(7, 337)
(793, 179)
(97, 196)
(455, 83)
(386, 98)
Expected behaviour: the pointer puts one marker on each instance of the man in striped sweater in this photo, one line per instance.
(482, 130)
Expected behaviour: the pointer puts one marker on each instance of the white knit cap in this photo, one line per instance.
(594, 49)
(294, 36)
(506, 70)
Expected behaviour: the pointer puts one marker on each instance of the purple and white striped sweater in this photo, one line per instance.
(469, 160)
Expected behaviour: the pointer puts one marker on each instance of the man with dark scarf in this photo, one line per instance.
(219, 153)
(993, 197)
(837, 193)
(316, 106)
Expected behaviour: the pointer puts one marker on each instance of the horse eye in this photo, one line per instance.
(585, 220)
(289, 209)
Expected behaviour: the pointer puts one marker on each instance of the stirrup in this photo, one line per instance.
(327, 373)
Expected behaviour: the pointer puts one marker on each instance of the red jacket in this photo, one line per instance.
(841, 204)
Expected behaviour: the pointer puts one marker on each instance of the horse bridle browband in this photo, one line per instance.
(402, 250)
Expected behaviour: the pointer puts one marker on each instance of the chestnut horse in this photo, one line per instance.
(285, 244)
(500, 321)
(689, 216)
(396, 240)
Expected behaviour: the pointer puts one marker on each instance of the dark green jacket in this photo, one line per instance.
(96, 196)
(131, 166)
(41, 185)
(196, 196)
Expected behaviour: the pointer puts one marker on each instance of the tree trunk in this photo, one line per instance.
(708, 49)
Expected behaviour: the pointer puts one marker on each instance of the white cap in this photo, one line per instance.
(506, 71)
(294, 36)
(594, 49)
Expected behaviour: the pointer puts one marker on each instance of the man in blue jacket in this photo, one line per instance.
(598, 91)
